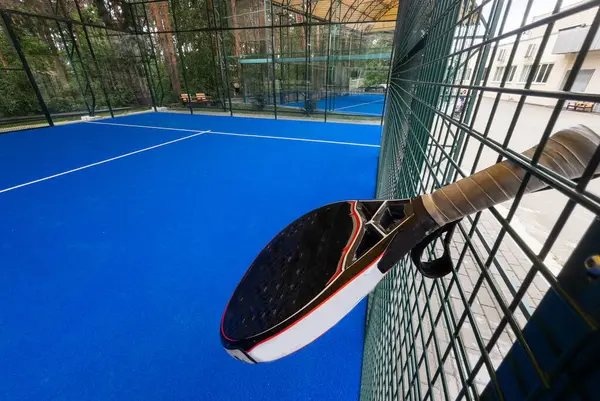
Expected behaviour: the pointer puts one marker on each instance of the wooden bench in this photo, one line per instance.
(585, 106)
(186, 98)
(197, 98)
(202, 98)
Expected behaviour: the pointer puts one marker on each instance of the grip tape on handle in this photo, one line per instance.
(567, 153)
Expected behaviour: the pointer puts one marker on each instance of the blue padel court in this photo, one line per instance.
(122, 239)
(366, 104)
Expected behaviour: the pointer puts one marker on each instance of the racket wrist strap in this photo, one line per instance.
(418, 224)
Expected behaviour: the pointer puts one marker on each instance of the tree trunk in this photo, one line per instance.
(236, 33)
(3, 61)
(104, 14)
(300, 20)
(262, 40)
(160, 13)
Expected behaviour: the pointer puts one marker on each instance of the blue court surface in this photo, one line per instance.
(121, 241)
(367, 104)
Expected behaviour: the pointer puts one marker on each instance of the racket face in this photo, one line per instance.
(299, 276)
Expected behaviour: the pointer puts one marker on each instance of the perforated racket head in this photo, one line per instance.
(299, 285)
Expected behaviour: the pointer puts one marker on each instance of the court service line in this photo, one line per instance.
(285, 138)
(360, 104)
(356, 113)
(143, 126)
(102, 161)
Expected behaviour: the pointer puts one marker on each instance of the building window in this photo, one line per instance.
(502, 55)
(530, 50)
(484, 75)
(498, 74)
(542, 73)
(469, 73)
(525, 73)
(511, 73)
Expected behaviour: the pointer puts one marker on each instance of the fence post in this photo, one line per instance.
(160, 100)
(307, 52)
(70, 52)
(145, 63)
(15, 42)
(273, 60)
(327, 72)
(389, 77)
(222, 52)
(89, 42)
(180, 50)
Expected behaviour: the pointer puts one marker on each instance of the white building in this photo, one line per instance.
(557, 59)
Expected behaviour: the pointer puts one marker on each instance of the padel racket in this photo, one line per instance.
(320, 266)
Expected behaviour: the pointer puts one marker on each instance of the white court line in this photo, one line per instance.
(356, 105)
(285, 138)
(352, 113)
(103, 161)
(144, 126)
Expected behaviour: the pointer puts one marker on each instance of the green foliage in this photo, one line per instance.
(67, 78)
(18, 98)
(134, 68)
(376, 77)
(259, 101)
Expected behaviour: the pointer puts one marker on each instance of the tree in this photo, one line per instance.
(162, 21)
(128, 72)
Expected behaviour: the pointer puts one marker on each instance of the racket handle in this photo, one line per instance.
(567, 153)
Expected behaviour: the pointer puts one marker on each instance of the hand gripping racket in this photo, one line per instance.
(320, 266)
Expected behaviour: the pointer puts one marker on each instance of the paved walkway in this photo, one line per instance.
(533, 221)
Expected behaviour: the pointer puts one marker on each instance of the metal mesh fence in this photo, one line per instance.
(14, 79)
(469, 87)
(77, 60)
(290, 58)
(471, 83)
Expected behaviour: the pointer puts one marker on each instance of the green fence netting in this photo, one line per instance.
(455, 107)
(248, 57)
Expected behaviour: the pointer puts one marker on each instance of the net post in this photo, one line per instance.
(16, 44)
